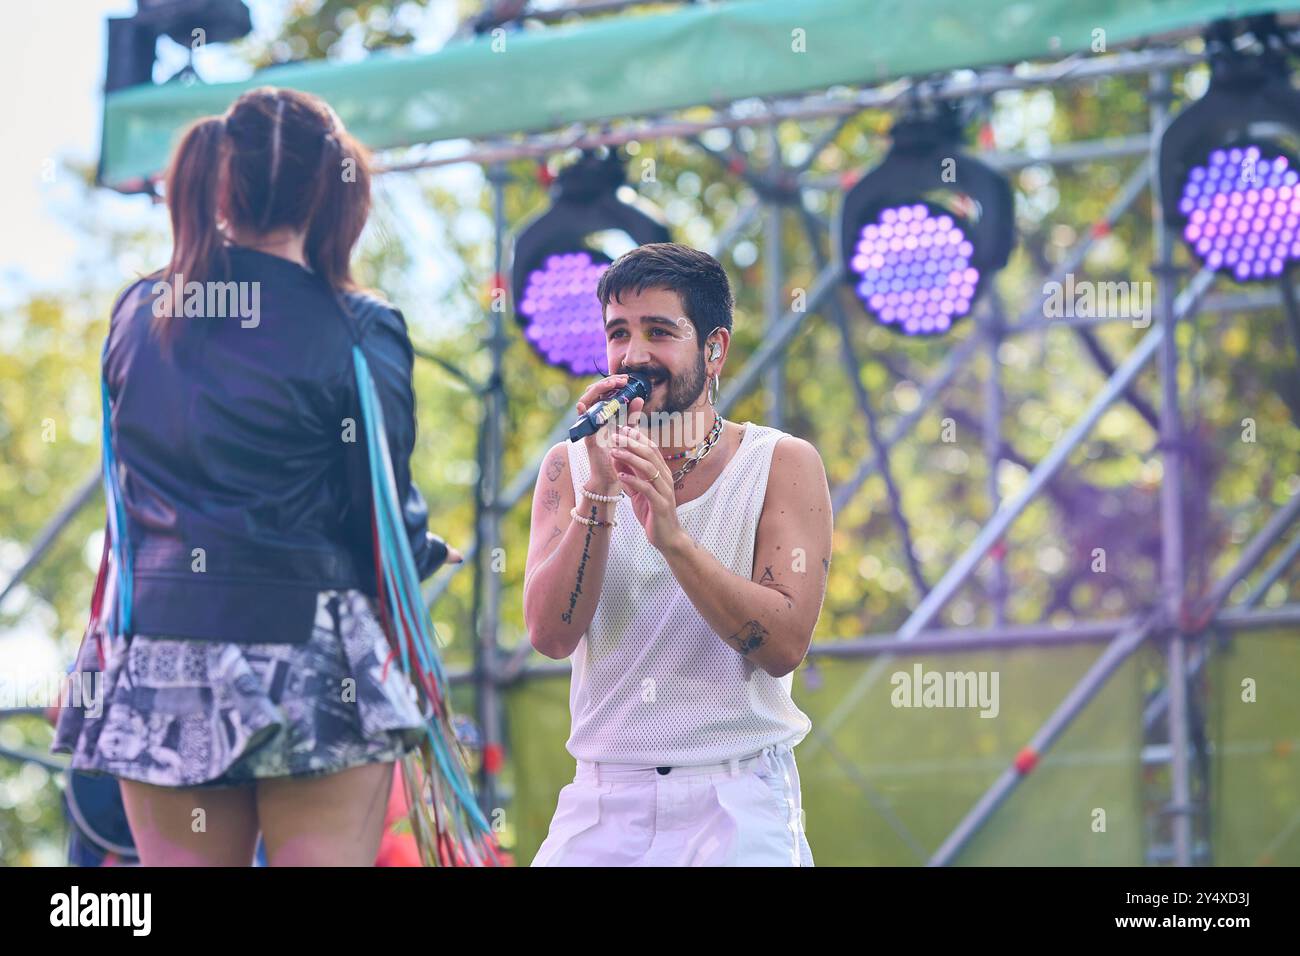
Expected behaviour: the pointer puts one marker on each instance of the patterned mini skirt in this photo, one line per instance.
(188, 713)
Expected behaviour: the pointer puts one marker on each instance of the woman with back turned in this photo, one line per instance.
(253, 691)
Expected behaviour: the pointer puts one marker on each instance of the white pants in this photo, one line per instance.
(744, 812)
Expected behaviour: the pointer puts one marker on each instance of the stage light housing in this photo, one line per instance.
(921, 233)
(133, 46)
(219, 20)
(558, 261)
(1229, 180)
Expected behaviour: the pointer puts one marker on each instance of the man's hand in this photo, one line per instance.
(598, 444)
(649, 482)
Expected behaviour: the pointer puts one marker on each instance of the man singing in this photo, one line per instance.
(685, 562)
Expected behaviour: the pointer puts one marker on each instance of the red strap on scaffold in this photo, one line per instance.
(1026, 760)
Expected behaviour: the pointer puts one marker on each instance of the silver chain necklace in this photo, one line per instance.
(694, 460)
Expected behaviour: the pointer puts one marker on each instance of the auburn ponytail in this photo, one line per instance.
(194, 182)
(277, 160)
(341, 207)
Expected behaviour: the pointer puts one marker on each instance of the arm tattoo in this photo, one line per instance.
(555, 533)
(567, 616)
(750, 637)
(767, 575)
(551, 500)
(554, 468)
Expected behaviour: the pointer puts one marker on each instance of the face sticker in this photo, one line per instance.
(685, 329)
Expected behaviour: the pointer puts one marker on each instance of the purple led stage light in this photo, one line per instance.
(563, 313)
(912, 268)
(1242, 207)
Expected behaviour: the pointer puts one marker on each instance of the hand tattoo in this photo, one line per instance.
(551, 500)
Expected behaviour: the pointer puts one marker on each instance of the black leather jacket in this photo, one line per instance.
(242, 454)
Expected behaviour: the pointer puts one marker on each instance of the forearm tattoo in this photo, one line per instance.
(750, 637)
(567, 616)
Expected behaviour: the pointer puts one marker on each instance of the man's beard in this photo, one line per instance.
(683, 392)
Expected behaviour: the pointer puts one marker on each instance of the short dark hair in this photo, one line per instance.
(695, 276)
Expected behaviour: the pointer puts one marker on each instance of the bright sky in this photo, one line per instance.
(51, 69)
(52, 59)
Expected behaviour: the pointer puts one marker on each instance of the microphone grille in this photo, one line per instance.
(643, 379)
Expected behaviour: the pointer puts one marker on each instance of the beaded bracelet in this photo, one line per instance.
(596, 497)
(591, 522)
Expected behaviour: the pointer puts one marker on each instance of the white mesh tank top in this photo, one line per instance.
(652, 683)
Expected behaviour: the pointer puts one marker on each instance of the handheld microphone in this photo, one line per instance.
(594, 418)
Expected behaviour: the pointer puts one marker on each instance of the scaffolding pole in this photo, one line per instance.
(1172, 563)
(967, 640)
(996, 586)
(487, 573)
(775, 269)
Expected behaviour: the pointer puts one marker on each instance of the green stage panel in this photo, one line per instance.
(536, 727)
(645, 63)
(892, 782)
(1255, 788)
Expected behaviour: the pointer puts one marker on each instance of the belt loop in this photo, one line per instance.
(733, 766)
(595, 771)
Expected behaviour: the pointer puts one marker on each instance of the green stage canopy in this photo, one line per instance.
(711, 53)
